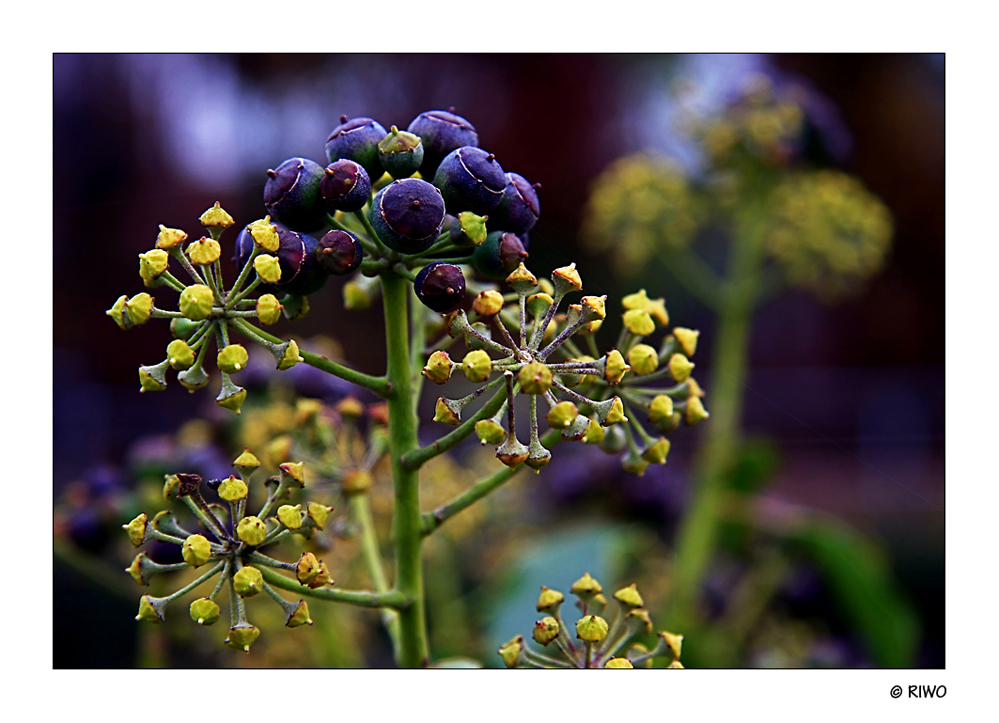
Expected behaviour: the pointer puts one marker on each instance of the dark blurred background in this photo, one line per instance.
(852, 395)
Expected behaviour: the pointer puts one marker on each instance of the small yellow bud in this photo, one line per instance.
(444, 414)
(592, 629)
(204, 251)
(356, 481)
(290, 516)
(661, 410)
(205, 611)
(638, 322)
(439, 367)
(510, 651)
(251, 530)
(169, 237)
(638, 300)
(322, 578)
(231, 397)
(680, 367)
(150, 609)
(629, 597)
(549, 600)
(673, 641)
(545, 631)
(615, 414)
(488, 303)
(657, 310)
(638, 620)
(268, 268)
(299, 615)
(180, 355)
(616, 368)
(232, 358)
(196, 550)
(307, 568)
(594, 433)
(562, 415)
(152, 264)
(695, 411)
(117, 313)
(477, 366)
(512, 452)
(216, 217)
(694, 389)
(291, 356)
(248, 581)
(574, 380)
(196, 302)
(594, 308)
(246, 460)
(139, 308)
(657, 453)
(643, 359)
(489, 432)
(522, 280)
(269, 309)
(152, 379)
(687, 339)
(618, 663)
(535, 378)
(232, 489)
(566, 279)
(140, 569)
(136, 530)
(241, 637)
(538, 304)
(293, 473)
(265, 234)
(318, 514)
(585, 588)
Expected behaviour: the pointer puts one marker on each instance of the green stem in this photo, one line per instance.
(360, 505)
(403, 423)
(361, 598)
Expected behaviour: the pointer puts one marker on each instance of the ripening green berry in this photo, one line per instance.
(241, 637)
(290, 516)
(439, 367)
(585, 588)
(248, 581)
(204, 251)
(269, 309)
(661, 411)
(680, 367)
(136, 530)
(196, 550)
(299, 615)
(549, 600)
(545, 631)
(687, 339)
(535, 378)
(180, 355)
(511, 650)
(629, 597)
(592, 629)
(489, 432)
(477, 366)
(232, 358)
(152, 264)
(139, 308)
(639, 322)
(616, 368)
(643, 359)
(251, 530)
(268, 268)
(168, 238)
(562, 415)
(150, 609)
(319, 513)
(205, 611)
(618, 663)
(233, 489)
(264, 234)
(290, 357)
(196, 302)
(657, 453)
(695, 411)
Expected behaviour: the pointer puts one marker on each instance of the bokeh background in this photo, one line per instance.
(844, 403)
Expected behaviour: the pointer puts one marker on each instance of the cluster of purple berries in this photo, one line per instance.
(408, 218)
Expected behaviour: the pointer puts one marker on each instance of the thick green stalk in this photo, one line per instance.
(360, 505)
(403, 424)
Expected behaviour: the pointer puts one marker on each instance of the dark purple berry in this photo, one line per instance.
(301, 273)
(345, 186)
(441, 132)
(408, 215)
(440, 286)
(339, 252)
(357, 140)
(498, 255)
(519, 209)
(292, 195)
(400, 153)
(470, 179)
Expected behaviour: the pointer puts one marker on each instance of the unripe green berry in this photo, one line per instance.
(439, 367)
(477, 366)
(629, 597)
(695, 411)
(307, 568)
(538, 304)
(687, 339)
(196, 302)
(268, 309)
(241, 637)
(290, 516)
(585, 588)
(489, 432)
(319, 513)
(639, 322)
(264, 234)
(290, 357)
(232, 358)
(205, 611)
(139, 308)
(562, 415)
(656, 454)
(592, 629)
(268, 268)
(150, 609)
(196, 550)
(661, 410)
(180, 355)
(152, 264)
(168, 238)
(204, 251)
(251, 530)
(643, 359)
(248, 581)
(545, 631)
(549, 600)
(233, 489)
(618, 663)
(535, 378)
(136, 530)
(680, 367)
(616, 368)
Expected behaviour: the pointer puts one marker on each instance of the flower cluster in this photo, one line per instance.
(590, 398)
(596, 643)
(232, 547)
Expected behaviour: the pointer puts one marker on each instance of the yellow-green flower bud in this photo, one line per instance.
(293, 474)
(152, 264)
(295, 307)
(643, 359)
(307, 568)
(265, 234)
(439, 367)
(537, 456)
(615, 414)
(269, 309)
(322, 577)
(521, 279)
(594, 308)
(136, 530)
(216, 217)
(139, 308)
(657, 310)
(356, 481)
(180, 355)
(231, 396)
(638, 620)
(680, 367)
(535, 378)
(594, 433)
(629, 597)
(477, 366)
(638, 322)
(117, 313)
(299, 615)
(246, 460)
(638, 300)
(168, 238)
(349, 408)
(545, 631)
(488, 303)
(204, 251)
(196, 302)
(241, 637)
(633, 463)
(511, 651)
(318, 514)
(290, 516)
(232, 358)
(566, 279)
(687, 339)
(171, 486)
(618, 663)
(657, 453)
(549, 600)
(444, 414)
(152, 378)
(616, 368)
(661, 410)
(637, 650)
(141, 569)
(538, 304)
(290, 357)
(196, 550)
(232, 489)
(268, 268)
(193, 378)
(675, 664)
(695, 411)
(473, 226)
(512, 452)
(151, 609)
(251, 530)
(672, 641)
(205, 611)
(489, 432)
(592, 629)
(248, 581)
(574, 380)
(562, 415)
(586, 588)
